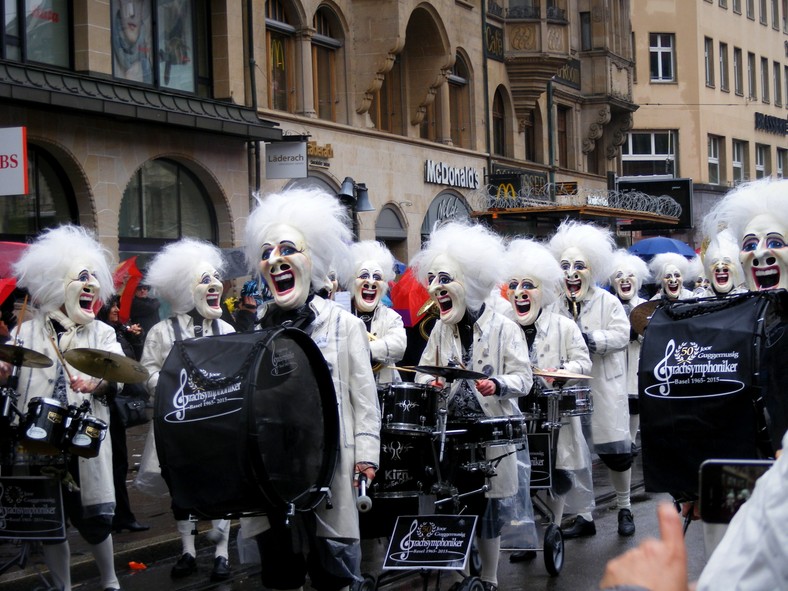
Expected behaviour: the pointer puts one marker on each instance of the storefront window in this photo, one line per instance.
(45, 27)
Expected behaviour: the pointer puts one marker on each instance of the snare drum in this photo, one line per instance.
(85, 436)
(407, 407)
(572, 402)
(43, 428)
(404, 467)
(487, 431)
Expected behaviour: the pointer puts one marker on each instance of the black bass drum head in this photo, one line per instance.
(293, 423)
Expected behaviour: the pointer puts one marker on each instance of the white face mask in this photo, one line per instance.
(369, 287)
(82, 291)
(525, 295)
(764, 255)
(671, 282)
(723, 274)
(207, 291)
(626, 284)
(445, 286)
(577, 274)
(286, 267)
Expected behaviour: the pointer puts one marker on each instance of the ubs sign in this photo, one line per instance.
(440, 173)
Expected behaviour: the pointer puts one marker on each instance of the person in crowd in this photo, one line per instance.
(756, 215)
(721, 260)
(373, 269)
(751, 555)
(144, 309)
(130, 338)
(585, 253)
(533, 283)
(628, 275)
(471, 335)
(67, 272)
(670, 269)
(186, 274)
(291, 239)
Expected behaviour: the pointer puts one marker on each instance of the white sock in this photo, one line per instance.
(222, 537)
(103, 555)
(490, 553)
(186, 529)
(58, 561)
(634, 424)
(621, 483)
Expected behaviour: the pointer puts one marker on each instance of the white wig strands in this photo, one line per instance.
(734, 211)
(662, 260)
(695, 268)
(172, 271)
(370, 250)
(596, 244)
(319, 216)
(476, 250)
(722, 246)
(629, 263)
(533, 259)
(46, 261)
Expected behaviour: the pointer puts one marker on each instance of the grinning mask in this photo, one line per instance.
(445, 286)
(764, 255)
(286, 267)
(577, 274)
(82, 291)
(671, 282)
(625, 283)
(207, 291)
(369, 287)
(525, 295)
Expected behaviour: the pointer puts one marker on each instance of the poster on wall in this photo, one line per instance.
(132, 42)
(13, 161)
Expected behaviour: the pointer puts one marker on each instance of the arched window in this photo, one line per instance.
(163, 202)
(280, 35)
(499, 124)
(325, 49)
(386, 108)
(460, 103)
(50, 203)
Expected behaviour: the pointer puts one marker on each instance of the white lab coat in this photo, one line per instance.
(389, 344)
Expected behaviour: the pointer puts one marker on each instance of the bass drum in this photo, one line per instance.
(247, 423)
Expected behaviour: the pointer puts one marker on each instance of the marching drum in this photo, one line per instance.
(43, 428)
(407, 407)
(487, 431)
(573, 401)
(247, 423)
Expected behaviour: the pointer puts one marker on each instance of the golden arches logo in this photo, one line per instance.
(277, 54)
(504, 190)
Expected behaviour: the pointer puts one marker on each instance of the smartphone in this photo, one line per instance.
(725, 485)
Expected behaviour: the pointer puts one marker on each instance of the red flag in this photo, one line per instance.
(407, 297)
(126, 278)
(7, 287)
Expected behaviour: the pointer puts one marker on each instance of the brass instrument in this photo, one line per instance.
(376, 367)
(430, 309)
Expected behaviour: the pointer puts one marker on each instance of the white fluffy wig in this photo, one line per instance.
(528, 257)
(735, 210)
(695, 268)
(476, 250)
(319, 216)
(369, 250)
(171, 272)
(596, 244)
(662, 260)
(720, 246)
(42, 267)
(630, 263)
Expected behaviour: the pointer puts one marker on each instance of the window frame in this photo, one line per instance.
(765, 75)
(713, 158)
(738, 157)
(777, 83)
(724, 66)
(752, 81)
(652, 158)
(325, 47)
(459, 88)
(20, 41)
(657, 53)
(708, 57)
(738, 71)
(761, 160)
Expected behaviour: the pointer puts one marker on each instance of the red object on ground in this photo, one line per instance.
(137, 565)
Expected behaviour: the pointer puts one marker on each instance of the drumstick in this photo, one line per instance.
(20, 320)
(60, 357)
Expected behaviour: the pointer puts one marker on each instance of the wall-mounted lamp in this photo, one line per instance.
(356, 195)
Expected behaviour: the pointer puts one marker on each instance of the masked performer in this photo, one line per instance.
(187, 275)
(533, 279)
(292, 237)
(721, 259)
(67, 273)
(629, 273)
(373, 269)
(584, 252)
(471, 335)
(670, 269)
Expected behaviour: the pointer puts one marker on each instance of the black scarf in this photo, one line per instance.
(300, 317)
(465, 328)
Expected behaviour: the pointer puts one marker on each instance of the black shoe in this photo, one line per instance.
(579, 529)
(626, 525)
(221, 570)
(186, 565)
(489, 586)
(522, 556)
(132, 526)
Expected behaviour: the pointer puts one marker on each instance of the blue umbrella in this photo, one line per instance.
(648, 247)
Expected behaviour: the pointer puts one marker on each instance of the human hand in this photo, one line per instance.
(134, 329)
(657, 565)
(367, 470)
(83, 385)
(439, 384)
(4, 331)
(5, 370)
(486, 387)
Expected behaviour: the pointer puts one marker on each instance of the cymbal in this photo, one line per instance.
(22, 357)
(107, 366)
(559, 373)
(450, 373)
(641, 314)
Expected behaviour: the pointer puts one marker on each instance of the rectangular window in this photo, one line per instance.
(708, 52)
(586, 43)
(784, 16)
(737, 6)
(723, 3)
(738, 76)
(724, 85)
(775, 16)
(176, 46)
(41, 34)
(765, 97)
(562, 132)
(751, 9)
(323, 81)
(761, 161)
(714, 159)
(649, 153)
(751, 82)
(778, 84)
(763, 16)
(661, 57)
(782, 162)
(738, 161)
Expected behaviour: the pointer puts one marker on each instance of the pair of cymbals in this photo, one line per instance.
(108, 366)
(559, 374)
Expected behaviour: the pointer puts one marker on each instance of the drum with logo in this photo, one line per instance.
(43, 429)
(407, 407)
(247, 423)
(487, 431)
(84, 436)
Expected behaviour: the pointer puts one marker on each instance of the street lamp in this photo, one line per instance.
(355, 196)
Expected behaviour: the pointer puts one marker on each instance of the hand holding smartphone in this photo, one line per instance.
(725, 485)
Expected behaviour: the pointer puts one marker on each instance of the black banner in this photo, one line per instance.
(430, 541)
(31, 507)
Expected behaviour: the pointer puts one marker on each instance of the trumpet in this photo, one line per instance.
(375, 367)
(430, 308)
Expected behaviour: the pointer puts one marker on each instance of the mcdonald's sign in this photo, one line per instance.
(505, 190)
(505, 185)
